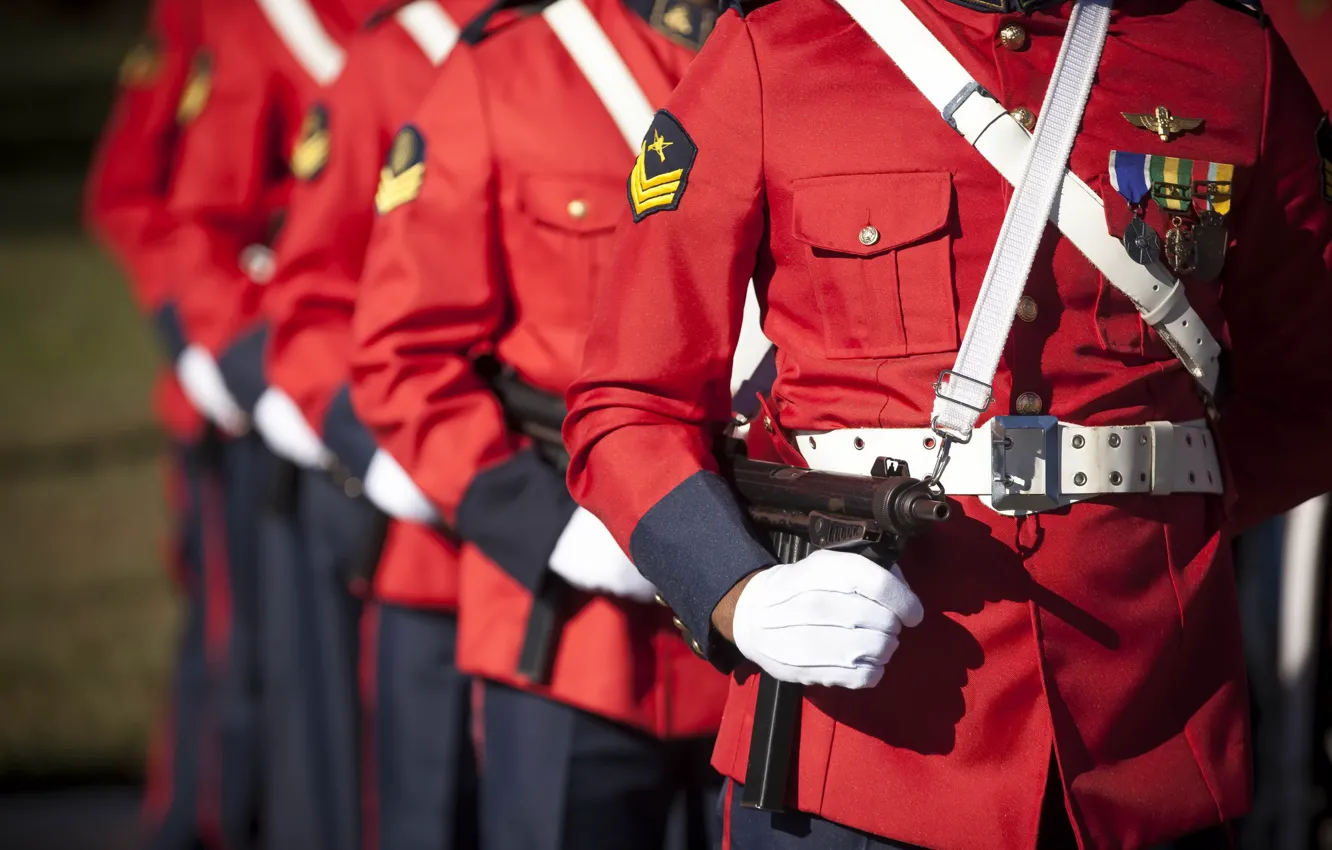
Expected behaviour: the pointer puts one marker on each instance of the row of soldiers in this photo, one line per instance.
(385, 244)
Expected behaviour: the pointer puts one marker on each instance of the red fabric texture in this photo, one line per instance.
(321, 255)
(491, 257)
(125, 201)
(233, 181)
(1306, 25)
(1109, 629)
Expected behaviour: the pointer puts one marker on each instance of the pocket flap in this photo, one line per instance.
(576, 204)
(835, 213)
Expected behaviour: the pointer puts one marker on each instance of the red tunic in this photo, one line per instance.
(322, 251)
(1108, 630)
(523, 182)
(126, 196)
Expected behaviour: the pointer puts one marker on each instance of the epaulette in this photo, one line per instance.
(491, 21)
(743, 7)
(1253, 8)
(383, 13)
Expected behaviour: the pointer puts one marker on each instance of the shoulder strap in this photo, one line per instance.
(430, 27)
(1078, 213)
(304, 35)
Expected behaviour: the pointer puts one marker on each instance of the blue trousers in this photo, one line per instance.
(556, 778)
(750, 829)
(419, 746)
(311, 638)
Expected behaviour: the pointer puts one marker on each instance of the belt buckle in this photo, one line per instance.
(1024, 460)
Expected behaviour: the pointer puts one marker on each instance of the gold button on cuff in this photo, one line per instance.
(1029, 404)
(869, 234)
(1027, 309)
(1025, 117)
(1013, 37)
(577, 208)
(353, 488)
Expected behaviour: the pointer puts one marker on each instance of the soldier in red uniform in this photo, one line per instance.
(126, 206)
(496, 210)
(418, 782)
(1065, 651)
(262, 63)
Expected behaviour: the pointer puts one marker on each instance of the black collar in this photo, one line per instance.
(1026, 7)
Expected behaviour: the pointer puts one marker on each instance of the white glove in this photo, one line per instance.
(283, 427)
(587, 556)
(203, 384)
(829, 619)
(392, 490)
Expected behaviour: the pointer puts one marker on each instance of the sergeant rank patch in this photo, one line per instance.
(199, 85)
(661, 172)
(686, 22)
(1324, 138)
(310, 155)
(142, 64)
(401, 177)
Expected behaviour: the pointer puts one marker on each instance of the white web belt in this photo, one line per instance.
(1045, 190)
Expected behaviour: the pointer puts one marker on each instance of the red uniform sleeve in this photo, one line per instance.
(322, 250)
(654, 390)
(125, 201)
(230, 154)
(432, 295)
(1277, 298)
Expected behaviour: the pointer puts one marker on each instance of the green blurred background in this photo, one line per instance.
(87, 610)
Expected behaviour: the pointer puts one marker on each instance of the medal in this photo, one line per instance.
(1179, 246)
(1142, 243)
(1212, 192)
(1131, 177)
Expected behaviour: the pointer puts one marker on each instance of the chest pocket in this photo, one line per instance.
(568, 223)
(878, 251)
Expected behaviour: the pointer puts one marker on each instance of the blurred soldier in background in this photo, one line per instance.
(496, 208)
(418, 772)
(127, 207)
(263, 62)
(1281, 569)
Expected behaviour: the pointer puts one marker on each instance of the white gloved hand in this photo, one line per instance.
(392, 490)
(283, 427)
(832, 618)
(202, 381)
(587, 556)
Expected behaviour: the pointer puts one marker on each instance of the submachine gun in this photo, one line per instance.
(801, 510)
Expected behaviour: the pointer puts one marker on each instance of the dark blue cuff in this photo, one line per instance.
(346, 437)
(242, 367)
(745, 401)
(514, 513)
(170, 332)
(695, 545)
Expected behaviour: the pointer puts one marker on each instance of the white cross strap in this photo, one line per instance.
(593, 53)
(430, 27)
(1045, 189)
(304, 35)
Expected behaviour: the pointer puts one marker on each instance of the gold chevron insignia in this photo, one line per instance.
(198, 88)
(401, 178)
(650, 193)
(311, 152)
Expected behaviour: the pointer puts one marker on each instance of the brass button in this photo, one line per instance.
(1025, 117)
(767, 424)
(696, 647)
(660, 601)
(353, 487)
(869, 234)
(1027, 309)
(1013, 37)
(577, 208)
(1029, 404)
